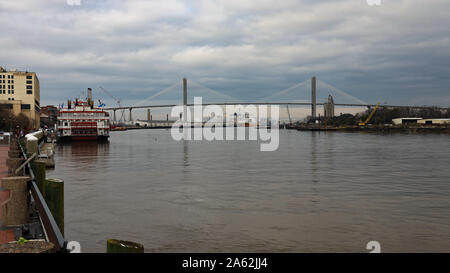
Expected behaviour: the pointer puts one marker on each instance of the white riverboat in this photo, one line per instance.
(81, 120)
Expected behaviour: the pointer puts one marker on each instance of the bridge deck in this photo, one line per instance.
(274, 103)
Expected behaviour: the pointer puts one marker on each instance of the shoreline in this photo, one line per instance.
(411, 130)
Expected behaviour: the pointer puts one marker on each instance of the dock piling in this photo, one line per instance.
(38, 167)
(54, 197)
(120, 246)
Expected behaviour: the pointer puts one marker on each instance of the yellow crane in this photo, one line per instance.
(370, 116)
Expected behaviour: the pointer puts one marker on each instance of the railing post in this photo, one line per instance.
(15, 210)
(32, 145)
(13, 164)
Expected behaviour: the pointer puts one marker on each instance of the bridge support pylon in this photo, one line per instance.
(313, 98)
(184, 100)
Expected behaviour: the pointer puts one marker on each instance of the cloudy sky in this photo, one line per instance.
(398, 52)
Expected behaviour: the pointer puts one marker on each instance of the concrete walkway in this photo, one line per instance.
(6, 235)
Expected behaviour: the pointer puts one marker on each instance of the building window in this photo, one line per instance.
(37, 109)
(29, 82)
(29, 77)
(6, 106)
(29, 87)
(29, 92)
(25, 107)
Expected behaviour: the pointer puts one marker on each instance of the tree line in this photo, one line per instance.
(10, 122)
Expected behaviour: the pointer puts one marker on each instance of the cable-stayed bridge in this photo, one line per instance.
(305, 93)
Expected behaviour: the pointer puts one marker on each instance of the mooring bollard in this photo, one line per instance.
(53, 192)
(15, 210)
(38, 167)
(119, 246)
(32, 145)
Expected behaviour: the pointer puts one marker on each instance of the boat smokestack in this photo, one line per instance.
(90, 101)
(90, 94)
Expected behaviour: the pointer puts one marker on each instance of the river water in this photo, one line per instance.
(319, 192)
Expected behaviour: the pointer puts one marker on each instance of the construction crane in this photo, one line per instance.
(115, 99)
(370, 116)
(289, 115)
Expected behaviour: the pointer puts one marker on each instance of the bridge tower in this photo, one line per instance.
(313, 98)
(184, 99)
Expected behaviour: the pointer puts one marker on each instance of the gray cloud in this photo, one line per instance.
(398, 52)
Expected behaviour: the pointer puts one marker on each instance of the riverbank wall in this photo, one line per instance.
(376, 129)
(28, 222)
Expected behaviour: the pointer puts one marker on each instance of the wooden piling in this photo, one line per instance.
(38, 167)
(120, 246)
(53, 192)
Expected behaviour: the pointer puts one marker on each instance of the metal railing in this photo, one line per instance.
(52, 230)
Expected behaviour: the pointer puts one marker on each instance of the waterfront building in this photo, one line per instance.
(49, 115)
(400, 121)
(328, 107)
(435, 121)
(20, 92)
